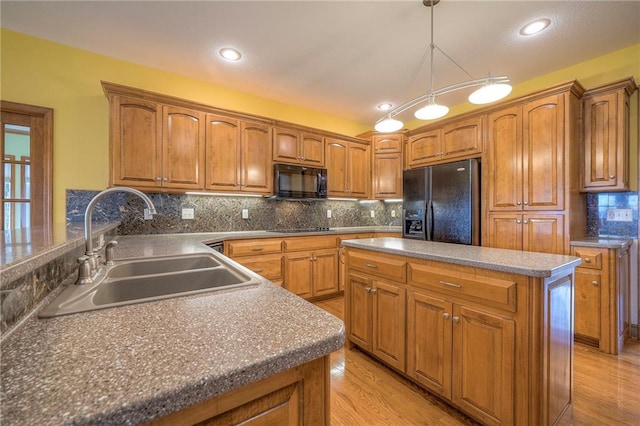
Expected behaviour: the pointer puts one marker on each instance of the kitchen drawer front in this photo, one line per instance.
(310, 243)
(591, 258)
(254, 247)
(379, 265)
(499, 292)
(270, 266)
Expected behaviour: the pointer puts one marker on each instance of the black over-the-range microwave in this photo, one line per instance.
(291, 181)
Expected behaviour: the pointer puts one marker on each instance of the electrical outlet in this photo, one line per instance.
(245, 213)
(329, 214)
(188, 213)
(393, 213)
(373, 213)
(147, 214)
(620, 215)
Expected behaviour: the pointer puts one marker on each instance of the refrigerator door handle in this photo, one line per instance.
(428, 217)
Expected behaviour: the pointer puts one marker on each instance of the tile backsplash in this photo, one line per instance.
(597, 206)
(224, 213)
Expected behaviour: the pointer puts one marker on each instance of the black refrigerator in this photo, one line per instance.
(442, 203)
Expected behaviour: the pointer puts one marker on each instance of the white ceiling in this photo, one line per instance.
(340, 57)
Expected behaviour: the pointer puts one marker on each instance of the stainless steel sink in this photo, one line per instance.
(145, 280)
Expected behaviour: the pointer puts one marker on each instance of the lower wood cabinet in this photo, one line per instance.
(540, 232)
(312, 273)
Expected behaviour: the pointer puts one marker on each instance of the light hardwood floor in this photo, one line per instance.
(364, 392)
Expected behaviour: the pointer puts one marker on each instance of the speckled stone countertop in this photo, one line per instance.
(596, 242)
(511, 261)
(132, 364)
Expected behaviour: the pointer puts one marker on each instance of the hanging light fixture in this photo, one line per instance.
(491, 90)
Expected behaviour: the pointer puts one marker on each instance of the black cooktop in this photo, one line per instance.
(292, 231)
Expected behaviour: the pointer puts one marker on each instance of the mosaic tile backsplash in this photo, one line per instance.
(224, 214)
(597, 206)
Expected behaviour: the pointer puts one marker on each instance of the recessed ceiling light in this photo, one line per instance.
(230, 54)
(385, 106)
(535, 27)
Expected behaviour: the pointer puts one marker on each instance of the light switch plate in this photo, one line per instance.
(188, 213)
(393, 213)
(620, 215)
(329, 214)
(373, 213)
(245, 213)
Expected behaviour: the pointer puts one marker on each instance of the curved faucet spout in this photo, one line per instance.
(89, 213)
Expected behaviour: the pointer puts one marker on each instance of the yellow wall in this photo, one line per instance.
(39, 72)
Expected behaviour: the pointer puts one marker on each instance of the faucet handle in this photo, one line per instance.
(84, 270)
(109, 252)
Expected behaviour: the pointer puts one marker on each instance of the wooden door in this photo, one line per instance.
(543, 154)
(298, 274)
(359, 170)
(504, 162)
(505, 231)
(387, 143)
(325, 272)
(336, 157)
(136, 129)
(389, 310)
(483, 373)
(463, 138)
(429, 342)
(183, 148)
(544, 233)
(286, 145)
(223, 157)
(423, 149)
(387, 175)
(588, 306)
(312, 150)
(359, 310)
(257, 166)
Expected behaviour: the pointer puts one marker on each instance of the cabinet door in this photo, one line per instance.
(183, 142)
(483, 372)
(389, 310)
(505, 231)
(387, 143)
(544, 233)
(462, 139)
(423, 149)
(543, 154)
(359, 310)
(587, 305)
(387, 175)
(325, 272)
(298, 274)
(429, 342)
(505, 159)
(223, 155)
(336, 168)
(257, 167)
(286, 145)
(312, 150)
(136, 129)
(359, 170)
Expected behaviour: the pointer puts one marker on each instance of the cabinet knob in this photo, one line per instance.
(587, 260)
(518, 203)
(158, 179)
(525, 221)
(446, 315)
(165, 179)
(594, 283)
(518, 221)
(612, 176)
(456, 319)
(374, 290)
(526, 203)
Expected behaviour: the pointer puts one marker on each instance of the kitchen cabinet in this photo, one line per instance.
(457, 140)
(538, 232)
(312, 273)
(238, 155)
(264, 256)
(348, 169)
(155, 146)
(387, 143)
(387, 176)
(602, 298)
(606, 129)
(297, 147)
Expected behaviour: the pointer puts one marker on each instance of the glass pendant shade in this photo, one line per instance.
(431, 111)
(389, 125)
(490, 92)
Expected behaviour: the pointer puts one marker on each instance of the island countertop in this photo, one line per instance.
(135, 363)
(519, 262)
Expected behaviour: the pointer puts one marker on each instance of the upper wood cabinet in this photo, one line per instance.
(456, 140)
(296, 147)
(156, 146)
(606, 123)
(348, 169)
(387, 143)
(238, 155)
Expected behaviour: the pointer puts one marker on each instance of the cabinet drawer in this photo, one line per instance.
(310, 243)
(469, 286)
(254, 247)
(269, 266)
(379, 265)
(591, 258)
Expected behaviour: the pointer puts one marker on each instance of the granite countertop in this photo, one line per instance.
(518, 262)
(599, 242)
(132, 364)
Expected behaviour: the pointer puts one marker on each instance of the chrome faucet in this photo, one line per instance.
(89, 252)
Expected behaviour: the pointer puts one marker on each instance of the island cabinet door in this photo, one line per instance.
(389, 310)
(359, 309)
(483, 370)
(429, 342)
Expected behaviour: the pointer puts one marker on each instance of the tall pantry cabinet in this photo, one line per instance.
(532, 170)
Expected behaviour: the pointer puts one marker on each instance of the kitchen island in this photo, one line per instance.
(490, 331)
(139, 363)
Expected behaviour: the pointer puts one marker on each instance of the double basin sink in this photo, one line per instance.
(147, 279)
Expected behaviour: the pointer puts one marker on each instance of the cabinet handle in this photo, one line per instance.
(525, 221)
(518, 203)
(257, 249)
(518, 221)
(612, 176)
(368, 289)
(258, 270)
(446, 315)
(371, 265)
(595, 283)
(587, 260)
(158, 179)
(374, 290)
(165, 179)
(526, 203)
(451, 284)
(456, 319)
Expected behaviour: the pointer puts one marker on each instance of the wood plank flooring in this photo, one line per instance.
(365, 392)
